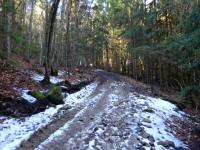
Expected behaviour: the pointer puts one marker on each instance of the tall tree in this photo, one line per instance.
(48, 38)
(30, 27)
(8, 9)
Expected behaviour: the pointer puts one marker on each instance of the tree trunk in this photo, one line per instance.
(67, 51)
(48, 38)
(8, 21)
(30, 28)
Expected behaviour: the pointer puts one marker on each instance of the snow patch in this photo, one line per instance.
(113, 97)
(27, 97)
(61, 72)
(37, 77)
(91, 144)
(80, 96)
(14, 131)
(54, 80)
(156, 124)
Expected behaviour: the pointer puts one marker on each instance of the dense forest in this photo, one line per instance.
(100, 74)
(156, 42)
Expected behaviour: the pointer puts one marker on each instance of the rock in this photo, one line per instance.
(166, 143)
(153, 148)
(151, 139)
(81, 120)
(67, 83)
(142, 148)
(144, 134)
(148, 126)
(55, 95)
(71, 88)
(152, 144)
(38, 95)
(149, 110)
(66, 107)
(64, 85)
(146, 120)
(45, 81)
(145, 144)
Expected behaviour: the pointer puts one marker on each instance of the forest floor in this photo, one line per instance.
(17, 81)
(113, 112)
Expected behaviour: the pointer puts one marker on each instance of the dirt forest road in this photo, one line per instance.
(113, 117)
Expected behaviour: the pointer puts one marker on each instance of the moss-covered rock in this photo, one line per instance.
(55, 95)
(38, 94)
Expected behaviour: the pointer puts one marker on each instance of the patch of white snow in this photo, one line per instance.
(61, 72)
(14, 131)
(156, 124)
(38, 78)
(73, 99)
(27, 97)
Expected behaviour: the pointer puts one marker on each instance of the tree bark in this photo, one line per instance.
(8, 10)
(48, 38)
(67, 51)
(30, 28)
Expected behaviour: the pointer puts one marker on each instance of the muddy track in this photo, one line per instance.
(63, 116)
(110, 118)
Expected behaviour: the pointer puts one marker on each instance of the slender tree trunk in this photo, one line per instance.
(62, 34)
(48, 38)
(30, 28)
(45, 23)
(67, 51)
(76, 39)
(8, 5)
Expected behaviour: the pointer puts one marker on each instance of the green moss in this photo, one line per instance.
(38, 95)
(55, 95)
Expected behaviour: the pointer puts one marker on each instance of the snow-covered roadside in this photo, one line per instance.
(14, 131)
(154, 115)
(74, 99)
(130, 121)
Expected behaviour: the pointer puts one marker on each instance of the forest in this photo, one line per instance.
(154, 43)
